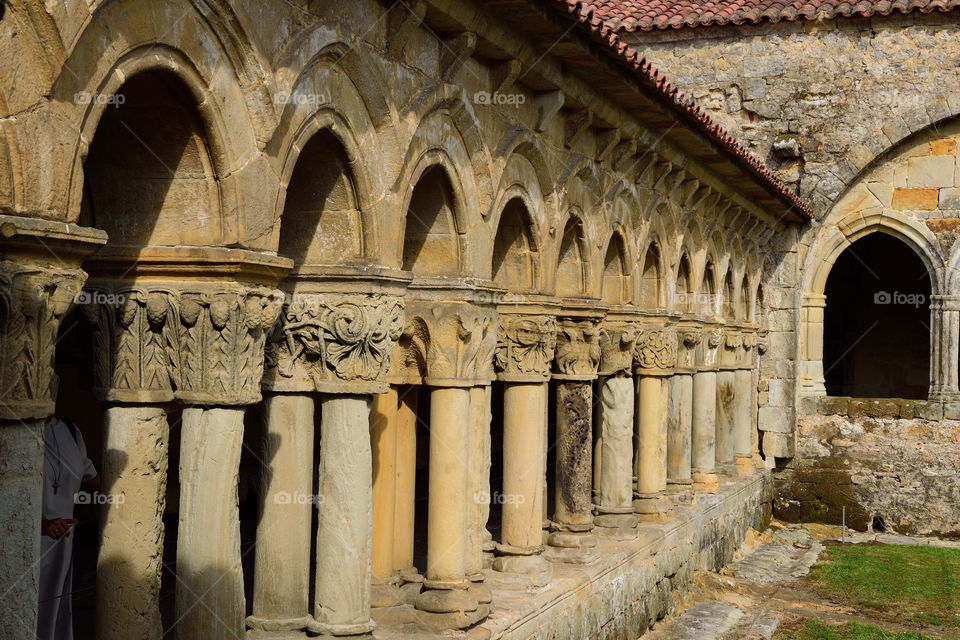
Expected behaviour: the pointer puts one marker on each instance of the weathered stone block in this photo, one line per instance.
(910, 199)
(930, 410)
(834, 406)
(949, 198)
(951, 410)
(930, 171)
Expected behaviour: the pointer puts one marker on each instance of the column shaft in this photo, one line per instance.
(703, 441)
(742, 421)
(21, 501)
(724, 428)
(679, 424)
(209, 595)
(383, 445)
(342, 581)
(478, 490)
(615, 496)
(281, 583)
(136, 447)
(651, 446)
(405, 487)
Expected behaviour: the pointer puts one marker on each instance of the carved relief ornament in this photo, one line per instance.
(578, 349)
(656, 350)
(617, 344)
(525, 347)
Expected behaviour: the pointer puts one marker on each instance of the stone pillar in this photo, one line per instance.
(577, 359)
(209, 595)
(282, 576)
(743, 400)
(478, 489)
(405, 499)
(525, 348)
(40, 276)
(724, 421)
(655, 359)
(703, 457)
(615, 515)
(679, 425)
(944, 347)
(810, 379)
(129, 566)
(383, 444)
(344, 505)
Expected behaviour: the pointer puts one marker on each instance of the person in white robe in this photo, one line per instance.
(66, 470)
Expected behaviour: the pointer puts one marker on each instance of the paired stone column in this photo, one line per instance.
(944, 347)
(680, 414)
(335, 347)
(478, 490)
(703, 456)
(728, 356)
(405, 485)
(654, 361)
(577, 358)
(525, 349)
(39, 280)
(383, 442)
(614, 480)
(743, 399)
(458, 357)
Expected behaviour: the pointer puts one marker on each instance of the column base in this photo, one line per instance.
(449, 597)
(745, 465)
(362, 629)
(572, 547)
(479, 590)
(385, 592)
(273, 626)
(619, 523)
(516, 568)
(705, 481)
(651, 507)
(258, 634)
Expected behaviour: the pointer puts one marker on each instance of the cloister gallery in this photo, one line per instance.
(455, 317)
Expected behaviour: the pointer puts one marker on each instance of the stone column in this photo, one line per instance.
(655, 359)
(810, 379)
(357, 332)
(40, 276)
(724, 421)
(679, 425)
(944, 347)
(282, 576)
(129, 566)
(743, 421)
(703, 449)
(459, 356)
(209, 595)
(525, 348)
(383, 443)
(478, 489)
(577, 359)
(405, 499)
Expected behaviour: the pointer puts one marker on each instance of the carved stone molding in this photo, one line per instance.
(656, 351)
(688, 339)
(40, 276)
(446, 344)
(203, 344)
(617, 344)
(525, 348)
(578, 350)
(334, 343)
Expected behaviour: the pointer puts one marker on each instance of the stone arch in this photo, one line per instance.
(615, 280)
(654, 284)
(433, 233)
(522, 143)
(572, 272)
(520, 180)
(515, 260)
(683, 299)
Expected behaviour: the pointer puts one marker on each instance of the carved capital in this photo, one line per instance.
(578, 349)
(334, 343)
(617, 344)
(687, 342)
(656, 350)
(713, 338)
(525, 347)
(33, 300)
(200, 345)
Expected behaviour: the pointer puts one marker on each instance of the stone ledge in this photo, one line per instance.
(891, 408)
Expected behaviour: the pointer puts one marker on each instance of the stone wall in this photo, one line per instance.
(891, 459)
(637, 583)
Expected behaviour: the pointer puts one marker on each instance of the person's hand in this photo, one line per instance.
(56, 528)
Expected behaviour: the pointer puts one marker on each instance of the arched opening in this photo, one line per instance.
(149, 177)
(431, 245)
(684, 288)
(616, 282)
(876, 336)
(743, 300)
(650, 279)
(514, 254)
(728, 296)
(759, 316)
(571, 278)
(707, 300)
(321, 218)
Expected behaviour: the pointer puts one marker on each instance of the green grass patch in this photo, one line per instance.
(816, 630)
(899, 582)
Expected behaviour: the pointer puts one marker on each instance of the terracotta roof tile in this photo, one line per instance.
(647, 15)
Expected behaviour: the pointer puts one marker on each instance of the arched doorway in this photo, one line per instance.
(876, 338)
